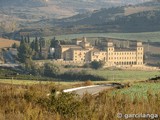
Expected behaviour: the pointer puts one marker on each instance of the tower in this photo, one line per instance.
(110, 52)
(140, 52)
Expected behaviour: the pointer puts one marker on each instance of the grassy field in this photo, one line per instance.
(140, 90)
(144, 36)
(110, 75)
(121, 75)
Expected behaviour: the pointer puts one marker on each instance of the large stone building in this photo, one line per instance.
(83, 51)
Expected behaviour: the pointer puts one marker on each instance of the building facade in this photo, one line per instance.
(83, 51)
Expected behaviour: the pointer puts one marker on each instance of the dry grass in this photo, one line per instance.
(32, 103)
(5, 43)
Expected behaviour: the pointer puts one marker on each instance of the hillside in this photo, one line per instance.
(137, 18)
(51, 17)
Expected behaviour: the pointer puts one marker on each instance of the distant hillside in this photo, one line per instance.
(140, 22)
(113, 17)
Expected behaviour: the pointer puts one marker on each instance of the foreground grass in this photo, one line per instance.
(32, 103)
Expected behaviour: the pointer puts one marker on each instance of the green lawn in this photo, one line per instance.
(140, 90)
(121, 75)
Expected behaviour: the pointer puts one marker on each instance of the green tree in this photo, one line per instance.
(54, 43)
(24, 52)
(42, 42)
(36, 69)
(97, 64)
(33, 45)
(28, 38)
(51, 70)
(36, 45)
(14, 45)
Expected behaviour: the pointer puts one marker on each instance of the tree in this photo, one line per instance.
(36, 45)
(42, 42)
(33, 45)
(28, 38)
(51, 70)
(14, 45)
(36, 69)
(97, 64)
(24, 52)
(54, 43)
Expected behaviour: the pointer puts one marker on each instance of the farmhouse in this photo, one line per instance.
(83, 51)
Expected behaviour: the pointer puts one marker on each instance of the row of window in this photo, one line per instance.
(123, 53)
(140, 48)
(125, 63)
(128, 58)
(128, 63)
(111, 49)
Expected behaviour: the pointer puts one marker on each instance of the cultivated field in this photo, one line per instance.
(5, 43)
(140, 89)
(144, 36)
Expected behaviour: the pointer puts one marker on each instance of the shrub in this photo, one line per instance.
(51, 70)
(97, 64)
(79, 75)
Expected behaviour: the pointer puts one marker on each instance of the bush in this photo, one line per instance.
(86, 65)
(51, 70)
(70, 66)
(79, 75)
(97, 64)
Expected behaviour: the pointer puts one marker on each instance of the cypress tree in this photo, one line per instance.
(28, 38)
(24, 52)
(36, 45)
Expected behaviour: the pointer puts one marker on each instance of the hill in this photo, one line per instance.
(131, 18)
(42, 19)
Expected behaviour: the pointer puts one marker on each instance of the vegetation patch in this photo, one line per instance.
(35, 104)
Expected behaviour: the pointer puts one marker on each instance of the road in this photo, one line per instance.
(92, 89)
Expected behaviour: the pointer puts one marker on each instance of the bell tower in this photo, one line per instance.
(110, 52)
(140, 53)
